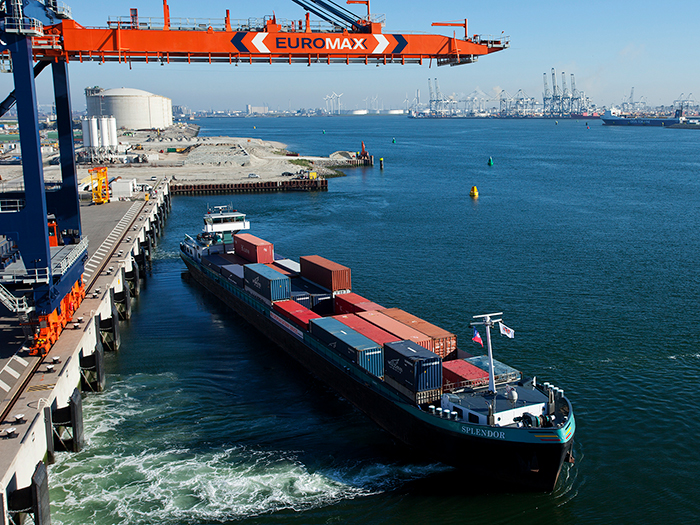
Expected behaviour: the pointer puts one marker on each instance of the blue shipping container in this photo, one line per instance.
(349, 343)
(303, 298)
(412, 365)
(266, 282)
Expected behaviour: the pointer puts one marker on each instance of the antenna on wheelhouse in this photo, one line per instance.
(488, 322)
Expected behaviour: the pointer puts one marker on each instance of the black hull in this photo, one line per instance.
(520, 466)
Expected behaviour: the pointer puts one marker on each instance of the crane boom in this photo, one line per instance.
(346, 40)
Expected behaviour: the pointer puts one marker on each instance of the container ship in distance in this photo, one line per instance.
(614, 117)
(406, 374)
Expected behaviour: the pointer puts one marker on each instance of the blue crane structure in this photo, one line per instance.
(34, 276)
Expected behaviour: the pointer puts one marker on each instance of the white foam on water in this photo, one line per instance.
(133, 478)
(182, 486)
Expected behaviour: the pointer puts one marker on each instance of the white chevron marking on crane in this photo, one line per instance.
(382, 44)
(258, 42)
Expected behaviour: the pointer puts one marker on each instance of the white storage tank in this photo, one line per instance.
(104, 132)
(113, 137)
(94, 136)
(131, 108)
(86, 133)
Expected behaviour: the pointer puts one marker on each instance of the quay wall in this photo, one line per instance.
(45, 414)
(195, 188)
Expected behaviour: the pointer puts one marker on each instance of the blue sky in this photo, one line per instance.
(610, 46)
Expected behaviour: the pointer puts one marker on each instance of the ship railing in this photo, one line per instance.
(500, 41)
(219, 24)
(472, 384)
(467, 384)
(63, 10)
(24, 26)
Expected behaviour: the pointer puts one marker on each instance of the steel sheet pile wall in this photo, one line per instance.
(296, 313)
(350, 303)
(461, 374)
(266, 283)
(328, 274)
(349, 343)
(441, 342)
(413, 371)
(394, 327)
(367, 329)
(503, 373)
(253, 249)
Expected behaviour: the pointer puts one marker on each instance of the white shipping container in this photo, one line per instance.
(123, 188)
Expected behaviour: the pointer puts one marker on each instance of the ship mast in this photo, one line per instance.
(488, 322)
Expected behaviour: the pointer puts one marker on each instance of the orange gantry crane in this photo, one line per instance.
(341, 37)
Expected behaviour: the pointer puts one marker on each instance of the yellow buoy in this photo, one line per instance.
(474, 194)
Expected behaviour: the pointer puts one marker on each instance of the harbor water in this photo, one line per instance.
(585, 236)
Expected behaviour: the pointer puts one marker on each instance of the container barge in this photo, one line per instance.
(406, 374)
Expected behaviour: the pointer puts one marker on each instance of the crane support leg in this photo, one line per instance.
(64, 203)
(28, 227)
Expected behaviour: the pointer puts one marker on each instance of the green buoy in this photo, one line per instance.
(490, 162)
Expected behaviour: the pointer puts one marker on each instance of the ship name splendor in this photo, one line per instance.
(481, 432)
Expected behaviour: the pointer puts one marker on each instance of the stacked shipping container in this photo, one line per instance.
(266, 283)
(366, 328)
(328, 274)
(413, 370)
(296, 313)
(502, 372)
(461, 374)
(253, 249)
(394, 327)
(350, 303)
(349, 343)
(441, 342)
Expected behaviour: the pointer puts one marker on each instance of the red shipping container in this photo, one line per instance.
(296, 313)
(462, 374)
(253, 249)
(444, 342)
(397, 328)
(328, 274)
(366, 328)
(350, 303)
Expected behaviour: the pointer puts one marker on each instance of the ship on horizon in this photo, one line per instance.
(615, 117)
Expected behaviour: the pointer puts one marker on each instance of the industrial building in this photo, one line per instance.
(132, 108)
